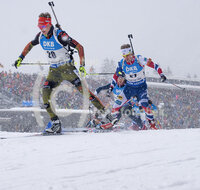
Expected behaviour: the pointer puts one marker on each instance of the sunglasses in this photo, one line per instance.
(42, 26)
(126, 55)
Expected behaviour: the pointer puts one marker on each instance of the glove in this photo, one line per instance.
(122, 74)
(150, 102)
(109, 92)
(82, 70)
(18, 62)
(163, 78)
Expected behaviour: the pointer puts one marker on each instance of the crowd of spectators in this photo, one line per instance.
(180, 109)
(17, 85)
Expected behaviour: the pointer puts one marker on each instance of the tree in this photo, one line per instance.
(188, 76)
(92, 69)
(168, 71)
(108, 66)
(195, 76)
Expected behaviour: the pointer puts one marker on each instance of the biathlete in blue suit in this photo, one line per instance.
(134, 69)
(127, 108)
(132, 108)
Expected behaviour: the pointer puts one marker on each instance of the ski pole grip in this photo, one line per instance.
(131, 36)
(51, 3)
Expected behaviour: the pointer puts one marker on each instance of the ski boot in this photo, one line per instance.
(152, 125)
(112, 121)
(144, 125)
(53, 126)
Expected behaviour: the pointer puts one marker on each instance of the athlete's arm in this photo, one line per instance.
(144, 61)
(105, 87)
(65, 40)
(155, 66)
(30, 45)
(115, 76)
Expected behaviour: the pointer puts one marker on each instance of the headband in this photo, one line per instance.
(126, 51)
(44, 21)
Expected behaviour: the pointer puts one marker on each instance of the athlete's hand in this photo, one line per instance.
(82, 71)
(150, 102)
(163, 78)
(18, 62)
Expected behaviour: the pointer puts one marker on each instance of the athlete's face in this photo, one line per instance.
(129, 58)
(120, 81)
(45, 28)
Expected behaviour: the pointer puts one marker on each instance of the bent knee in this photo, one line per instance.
(49, 84)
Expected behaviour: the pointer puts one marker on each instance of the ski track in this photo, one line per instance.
(139, 160)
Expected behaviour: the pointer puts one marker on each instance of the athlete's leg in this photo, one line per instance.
(143, 101)
(116, 112)
(53, 80)
(72, 77)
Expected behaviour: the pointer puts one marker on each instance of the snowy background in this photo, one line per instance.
(140, 160)
(167, 30)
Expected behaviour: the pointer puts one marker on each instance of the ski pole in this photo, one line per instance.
(177, 86)
(51, 4)
(130, 36)
(33, 64)
(100, 73)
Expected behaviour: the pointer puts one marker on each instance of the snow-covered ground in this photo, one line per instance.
(135, 160)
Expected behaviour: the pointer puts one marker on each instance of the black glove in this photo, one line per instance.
(163, 78)
(150, 102)
(108, 93)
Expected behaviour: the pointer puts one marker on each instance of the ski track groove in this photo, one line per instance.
(148, 160)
